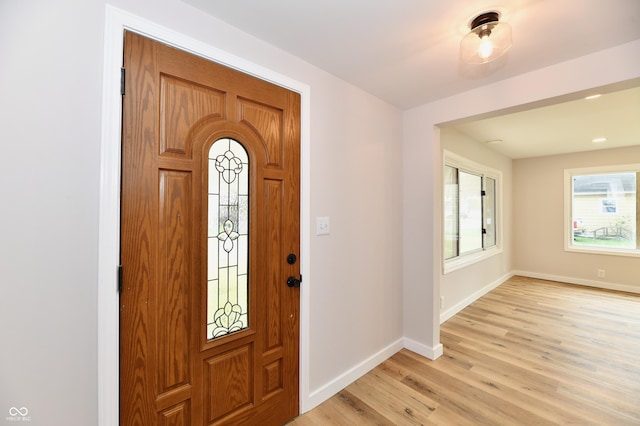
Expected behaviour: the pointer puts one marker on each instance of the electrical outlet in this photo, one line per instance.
(600, 273)
(441, 301)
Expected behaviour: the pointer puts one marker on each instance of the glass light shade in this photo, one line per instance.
(485, 43)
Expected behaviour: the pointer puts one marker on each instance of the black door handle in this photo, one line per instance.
(293, 282)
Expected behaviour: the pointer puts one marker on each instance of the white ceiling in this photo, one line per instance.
(564, 127)
(406, 52)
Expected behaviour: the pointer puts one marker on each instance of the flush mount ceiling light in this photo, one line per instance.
(487, 41)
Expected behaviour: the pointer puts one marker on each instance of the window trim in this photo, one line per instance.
(568, 213)
(461, 261)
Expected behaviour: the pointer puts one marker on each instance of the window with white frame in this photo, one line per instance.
(601, 210)
(470, 205)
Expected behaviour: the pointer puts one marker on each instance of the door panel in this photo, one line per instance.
(173, 294)
(175, 108)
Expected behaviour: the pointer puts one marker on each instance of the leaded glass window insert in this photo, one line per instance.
(228, 239)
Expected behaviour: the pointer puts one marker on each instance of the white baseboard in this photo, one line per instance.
(325, 392)
(579, 281)
(445, 315)
(424, 350)
(320, 395)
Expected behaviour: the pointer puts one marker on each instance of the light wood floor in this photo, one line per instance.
(530, 352)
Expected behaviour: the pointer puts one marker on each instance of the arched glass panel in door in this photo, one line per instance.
(228, 239)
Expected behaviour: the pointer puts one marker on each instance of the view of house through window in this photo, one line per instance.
(604, 210)
(469, 211)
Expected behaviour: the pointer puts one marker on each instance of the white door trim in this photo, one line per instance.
(116, 22)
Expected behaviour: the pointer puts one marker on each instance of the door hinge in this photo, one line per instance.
(483, 192)
(119, 278)
(122, 79)
(484, 231)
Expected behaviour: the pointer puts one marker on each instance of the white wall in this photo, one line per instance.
(422, 164)
(50, 85)
(51, 61)
(539, 246)
(462, 286)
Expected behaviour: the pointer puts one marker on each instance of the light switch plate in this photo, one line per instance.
(322, 225)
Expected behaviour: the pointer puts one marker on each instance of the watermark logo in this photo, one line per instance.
(18, 414)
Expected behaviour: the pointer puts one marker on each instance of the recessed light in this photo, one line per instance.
(494, 142)
(597, 95)
(599, 140)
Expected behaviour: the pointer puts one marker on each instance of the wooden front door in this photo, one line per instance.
(209, 327)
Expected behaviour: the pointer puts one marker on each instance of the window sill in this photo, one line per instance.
(469, 259)
(605, 252)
